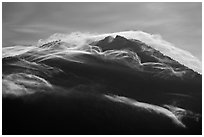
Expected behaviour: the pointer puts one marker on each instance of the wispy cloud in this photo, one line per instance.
(154, 40)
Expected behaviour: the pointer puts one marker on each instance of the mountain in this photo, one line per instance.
(111, 85)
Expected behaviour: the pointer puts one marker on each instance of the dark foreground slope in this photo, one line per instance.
(115, 86)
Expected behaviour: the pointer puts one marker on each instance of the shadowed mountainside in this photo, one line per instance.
(112, 86)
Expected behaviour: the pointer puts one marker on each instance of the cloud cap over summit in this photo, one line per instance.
(154, 40)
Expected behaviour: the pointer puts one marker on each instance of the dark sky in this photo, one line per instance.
(178, 23)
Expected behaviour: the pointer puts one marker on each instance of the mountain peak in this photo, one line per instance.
(157, 42)
(121, 38)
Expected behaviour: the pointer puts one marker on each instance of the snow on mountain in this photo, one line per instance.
(79, 40)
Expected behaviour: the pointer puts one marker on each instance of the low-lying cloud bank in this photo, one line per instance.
(146, 107)
(174, 113)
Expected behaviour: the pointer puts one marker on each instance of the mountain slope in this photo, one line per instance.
(112, 85)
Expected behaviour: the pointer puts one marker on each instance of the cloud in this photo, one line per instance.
(146, 107)
(24, 84)
(15, 50)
